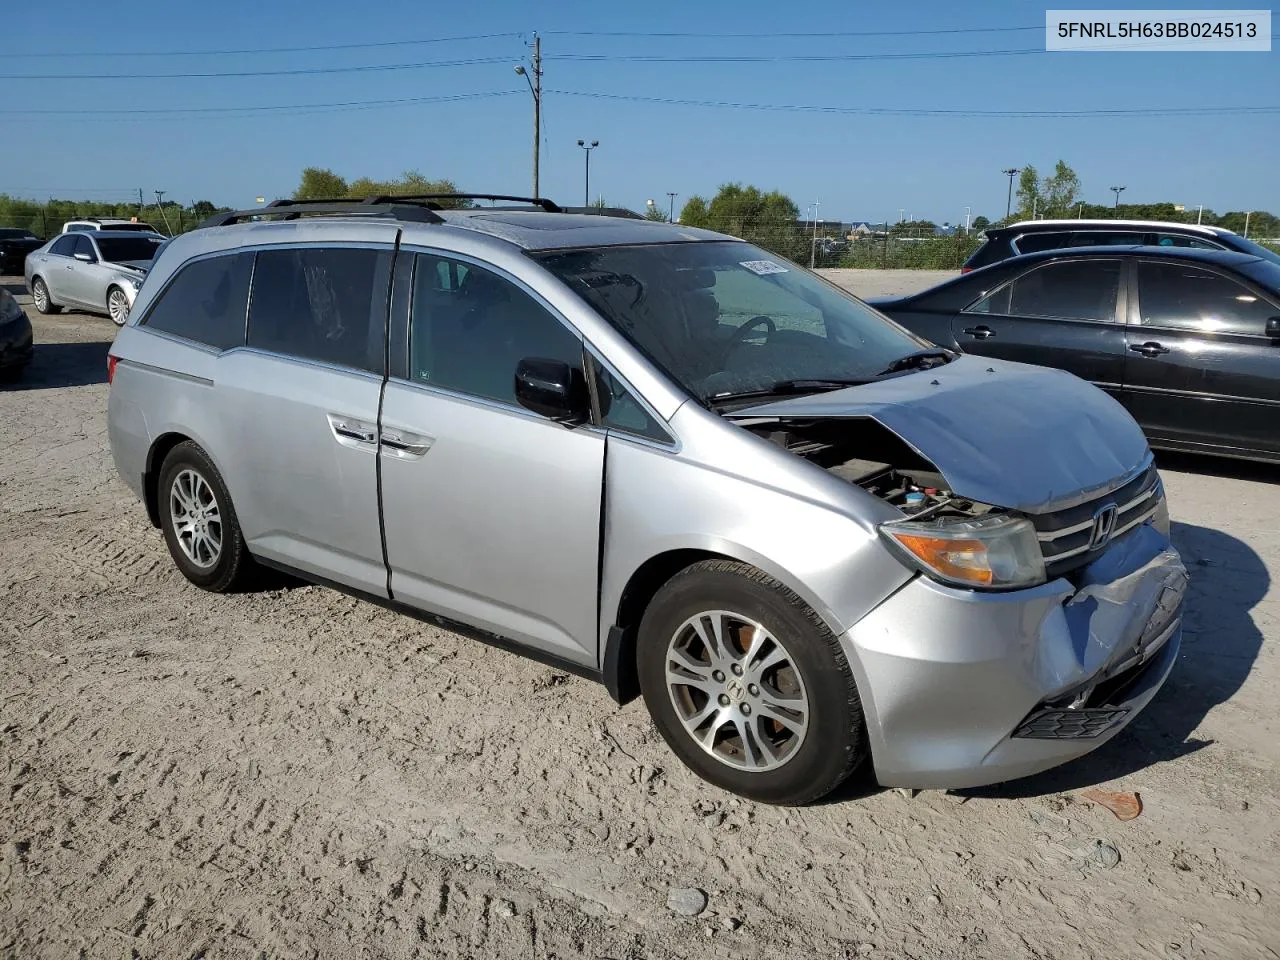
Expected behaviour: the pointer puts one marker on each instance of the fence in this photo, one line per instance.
(45, 220)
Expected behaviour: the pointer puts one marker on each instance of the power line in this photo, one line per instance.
(251, 50)
(279, 106)
(771, 36)
(307, 71)
(790, 58)
(930, 111)
(247, 112)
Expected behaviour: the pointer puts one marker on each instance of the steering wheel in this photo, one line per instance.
(744, 331)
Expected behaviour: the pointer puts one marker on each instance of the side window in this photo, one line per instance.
(63, 245)
(1105, 238)
(1068, 290)
(1183, 297)
(326, 304)
(1177, 240)
(620, 410)
(471, 337)
(206, 302)
(1035, 242)
(996, 302)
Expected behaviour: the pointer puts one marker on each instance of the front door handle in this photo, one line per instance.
(1149, 349)
(405, 445)
(352, 430)
(982, 332)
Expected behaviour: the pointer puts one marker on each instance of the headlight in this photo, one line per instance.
(134, 282)
(996, 552)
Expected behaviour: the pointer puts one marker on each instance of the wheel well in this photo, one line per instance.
(620, 675)
(151, 476)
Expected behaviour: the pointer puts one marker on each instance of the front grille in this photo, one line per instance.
(1069, 724)
(1066, 536)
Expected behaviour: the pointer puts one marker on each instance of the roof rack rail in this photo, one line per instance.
(622, 212)
(549, 206)
(293, 209)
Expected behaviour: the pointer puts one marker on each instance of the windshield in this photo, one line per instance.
(1257, 249)
(119, 249)
(729, 318)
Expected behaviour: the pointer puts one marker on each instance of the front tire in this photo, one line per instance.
(117, 306)
(199, 521)
(748, 686)
(40, 294)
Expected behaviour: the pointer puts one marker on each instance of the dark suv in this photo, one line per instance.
(1033, 236)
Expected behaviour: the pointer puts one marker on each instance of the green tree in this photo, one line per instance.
(980, 223)
(653, 213)
(768, 219)
(203, 209)
(1030, 201)
(320, 184)
(694, 212)
(1060, 191)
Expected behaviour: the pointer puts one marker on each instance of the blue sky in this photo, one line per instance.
(858, 166)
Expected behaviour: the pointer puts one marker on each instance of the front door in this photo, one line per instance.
(301, 404)
(492, 513)
(1199, 369)
(1060, 314)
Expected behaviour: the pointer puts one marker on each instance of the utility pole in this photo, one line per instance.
(1080, 211)
(671, 210)
(1246, 223)
(966, 220)
(1117, 191)
(1011, 172)
(813, 246)
(141, 206)
(159, 199)
(535, 88)
(1199, 214)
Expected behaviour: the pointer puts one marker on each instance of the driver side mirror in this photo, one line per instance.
(553, 389)
(1273, 328)
(83, 257)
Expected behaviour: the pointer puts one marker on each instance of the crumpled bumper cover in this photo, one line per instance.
(962, 688)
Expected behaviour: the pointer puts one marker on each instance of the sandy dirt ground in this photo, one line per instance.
(293, 773)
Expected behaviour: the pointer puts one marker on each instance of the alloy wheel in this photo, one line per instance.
(118, 306)
(40, 294)
(737, 690)
(197, 521)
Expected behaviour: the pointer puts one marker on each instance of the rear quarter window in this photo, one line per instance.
(206, 302)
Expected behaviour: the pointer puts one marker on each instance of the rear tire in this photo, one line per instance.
(199, 521)
(766, 709)
(43, 301)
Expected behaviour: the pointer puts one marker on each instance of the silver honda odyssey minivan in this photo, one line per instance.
(665, 459)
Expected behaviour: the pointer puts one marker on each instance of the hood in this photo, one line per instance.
(1007, 434)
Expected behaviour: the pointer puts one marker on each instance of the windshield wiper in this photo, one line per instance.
(920, 360)
(782, 388)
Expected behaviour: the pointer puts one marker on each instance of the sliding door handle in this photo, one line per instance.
(350, 429)
(408, 445)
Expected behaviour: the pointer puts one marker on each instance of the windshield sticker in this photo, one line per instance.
(763, 268)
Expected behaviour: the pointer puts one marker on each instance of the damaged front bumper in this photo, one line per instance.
(962, 688)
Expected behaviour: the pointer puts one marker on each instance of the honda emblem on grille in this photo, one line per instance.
(1104, 525)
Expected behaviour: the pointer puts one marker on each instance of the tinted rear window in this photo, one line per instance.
(322, 304)
(119, 249)
(206, 302)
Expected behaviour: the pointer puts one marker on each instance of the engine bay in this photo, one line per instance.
(861, 451)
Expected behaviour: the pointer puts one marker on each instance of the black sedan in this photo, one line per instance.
(15, 337)
(15, 244)
(1188, 340)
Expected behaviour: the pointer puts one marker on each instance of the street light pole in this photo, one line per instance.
(586, 187)
(671, 207)
(1199, 214)
(1117, 191)
(1246, 223)
(1011, 172)
(535, 88)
